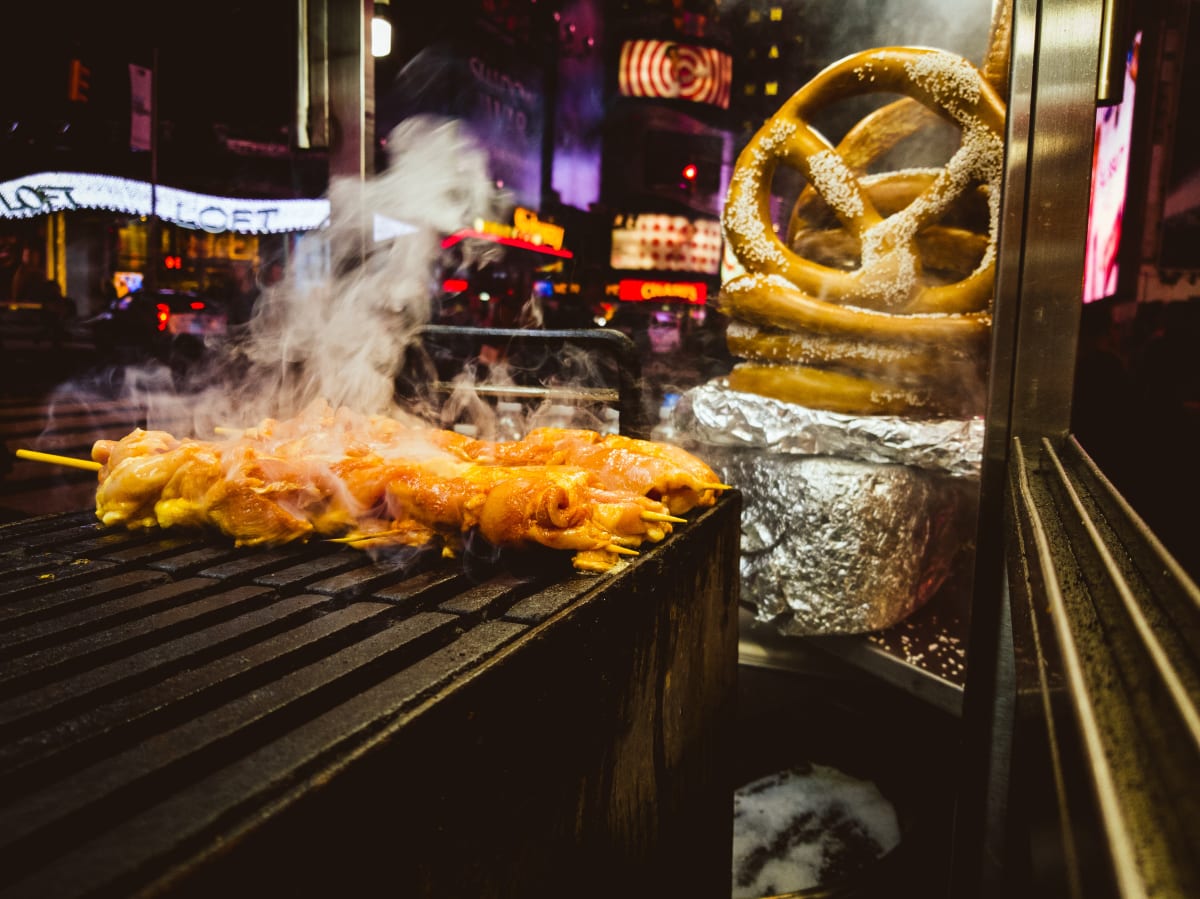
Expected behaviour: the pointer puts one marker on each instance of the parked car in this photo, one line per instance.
(168, 325)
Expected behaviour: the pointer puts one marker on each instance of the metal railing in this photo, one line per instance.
(1106, 637)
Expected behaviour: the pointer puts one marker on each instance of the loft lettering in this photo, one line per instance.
(32, 199)
(216, 219)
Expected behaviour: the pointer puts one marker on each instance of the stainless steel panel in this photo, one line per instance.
(351, 89)
(1062, 109)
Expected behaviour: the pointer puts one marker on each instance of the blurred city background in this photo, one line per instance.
(610, 129)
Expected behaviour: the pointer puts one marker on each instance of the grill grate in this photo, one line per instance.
(162, 695)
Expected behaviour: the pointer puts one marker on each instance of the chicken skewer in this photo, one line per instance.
(380, 482)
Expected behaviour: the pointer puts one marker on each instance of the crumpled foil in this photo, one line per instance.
(717, 416)
(849, 525)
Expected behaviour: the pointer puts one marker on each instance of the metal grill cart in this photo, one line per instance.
(183, 717)
(1075, 710)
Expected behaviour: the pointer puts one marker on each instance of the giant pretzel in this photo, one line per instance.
(941, 81)
(887, 299)
(880, 131)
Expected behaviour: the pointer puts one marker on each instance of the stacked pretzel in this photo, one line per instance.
(878, 299)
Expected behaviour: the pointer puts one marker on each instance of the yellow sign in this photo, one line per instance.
(497, 228)
(526, 226)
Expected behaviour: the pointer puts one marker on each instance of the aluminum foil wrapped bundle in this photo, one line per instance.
(849, 524)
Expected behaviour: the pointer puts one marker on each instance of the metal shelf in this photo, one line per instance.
(925, 655)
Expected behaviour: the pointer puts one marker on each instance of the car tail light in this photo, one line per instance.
(197, 305)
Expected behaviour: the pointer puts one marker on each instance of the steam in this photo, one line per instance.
(336, 327)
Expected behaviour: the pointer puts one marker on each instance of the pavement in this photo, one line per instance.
(33, 371)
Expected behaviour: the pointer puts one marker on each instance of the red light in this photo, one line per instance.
(454, 285)
(197, 305)
(465, 233)
(174, 262)
(690, 171)
(79, 82)
(163, 313)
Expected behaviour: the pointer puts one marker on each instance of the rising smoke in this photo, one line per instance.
(337, 326)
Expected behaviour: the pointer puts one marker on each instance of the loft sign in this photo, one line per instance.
(41, 199)
(65, 191)
(216, 219)
(36, 199)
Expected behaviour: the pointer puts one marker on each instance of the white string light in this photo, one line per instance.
(47, 192)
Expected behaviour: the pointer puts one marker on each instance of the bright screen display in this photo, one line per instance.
(657, 241)
(1110, 179)
(668, 70)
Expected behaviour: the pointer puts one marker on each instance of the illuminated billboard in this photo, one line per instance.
(1110, 180)
(659, 242)
(672, 71)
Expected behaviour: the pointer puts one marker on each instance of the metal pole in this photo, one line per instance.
(152, 239)
(350, 103)
(351, 89)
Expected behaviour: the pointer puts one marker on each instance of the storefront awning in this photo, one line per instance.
(48, 192)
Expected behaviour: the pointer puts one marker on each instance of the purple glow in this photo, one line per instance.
(577, 177)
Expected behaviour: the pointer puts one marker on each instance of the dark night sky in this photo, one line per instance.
(228, 60)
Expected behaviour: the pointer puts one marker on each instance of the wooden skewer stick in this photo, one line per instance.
(714, 487)
(659, 516)
(53, 459)
(359, 538)
(621, 550)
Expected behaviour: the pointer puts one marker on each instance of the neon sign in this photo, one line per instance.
(49, 192)
(527, 232)
(526, 227)
(642, 291)
(665, 69)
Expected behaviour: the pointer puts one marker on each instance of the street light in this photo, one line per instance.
(381, 30)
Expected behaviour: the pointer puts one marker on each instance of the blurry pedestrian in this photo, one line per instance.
(27, 275)
(245, 295)
(55, 311)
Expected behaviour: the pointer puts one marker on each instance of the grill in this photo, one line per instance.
(180, 716)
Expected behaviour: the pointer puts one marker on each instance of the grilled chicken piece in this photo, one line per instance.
(657, 470)
(557, 506)
(135, 477)
(561, 511)
(111, 453)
